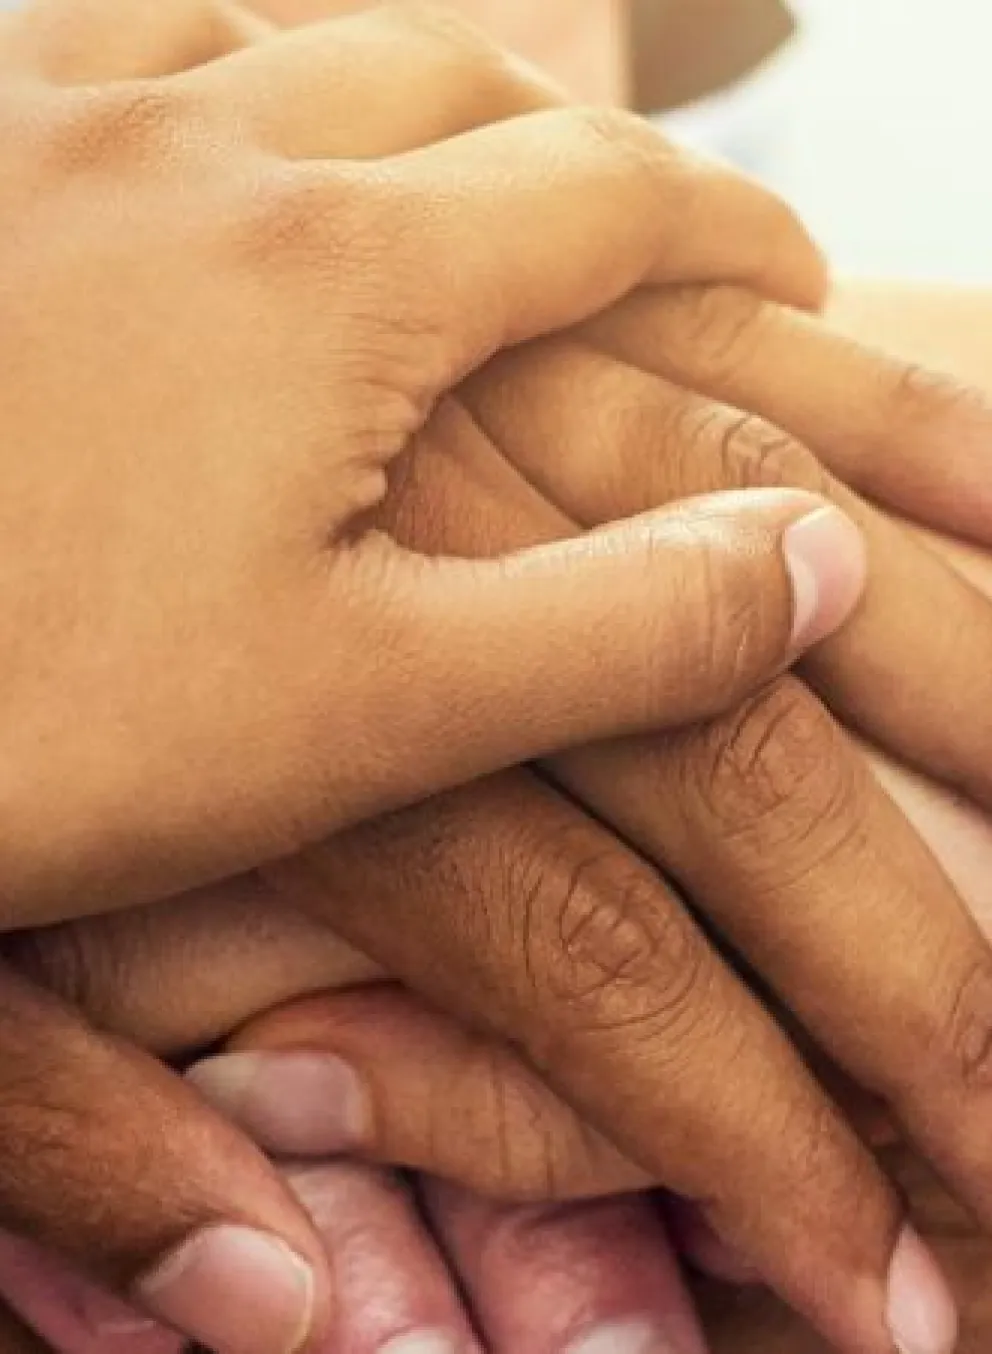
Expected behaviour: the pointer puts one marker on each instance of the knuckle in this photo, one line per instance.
(777, 781)
(297, 217)
(918, 399)
(631, 444)
(466, 49)
(753, 454)
(730, 636)
(718, 325)
(630, 143)
(441, 23)
(497, 83)
(135, 125)
(675, 428)
(607, 951)
(962, 1042)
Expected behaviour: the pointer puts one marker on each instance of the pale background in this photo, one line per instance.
(888, 150)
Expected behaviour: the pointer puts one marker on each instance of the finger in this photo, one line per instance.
(632, 441)
(579, 1279)
(905, 436)
(767, 818)
(772, 809)
(419, 75)
(393, 1289)
(395, 1293)
(424, 1094)
(73, 1314)
(914, 878)
(616, 998)
(81, 42)
(694, 1238)
(534, 653)
(586, 206)
(108, 1159)
(176, 976)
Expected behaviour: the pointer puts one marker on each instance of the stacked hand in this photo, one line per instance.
(220, 630)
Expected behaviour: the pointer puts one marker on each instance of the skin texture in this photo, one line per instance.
(205, 193)
(247, 592)
(581, 43)
(576, 1050)
(405, 1054)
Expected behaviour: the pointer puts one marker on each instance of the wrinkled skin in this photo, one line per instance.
(582, 770)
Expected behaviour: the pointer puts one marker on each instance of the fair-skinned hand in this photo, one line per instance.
(187, 279)
(178, 637)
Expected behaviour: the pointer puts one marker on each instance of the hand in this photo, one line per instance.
(468, 826)
(582, 43)
(149, 207)
(186, 952)
(185, 280)
(961, 842)
(541, 1280)
(791, 1074)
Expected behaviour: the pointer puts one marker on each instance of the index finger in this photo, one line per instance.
(907, 436)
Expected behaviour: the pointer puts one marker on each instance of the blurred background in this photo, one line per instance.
(886, 134)
(874, 118)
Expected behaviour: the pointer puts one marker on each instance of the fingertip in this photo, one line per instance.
(234, 1289)
(826, 560)
(295, 1102)
(921, 1313)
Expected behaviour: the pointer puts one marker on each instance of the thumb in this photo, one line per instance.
(658, 622)
(110, 1160)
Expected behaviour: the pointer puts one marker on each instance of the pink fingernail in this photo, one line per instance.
(297, 1103)
(825, 555)
(234, 1290)
(625, 1337)
(423, 1342)
(921, 1314)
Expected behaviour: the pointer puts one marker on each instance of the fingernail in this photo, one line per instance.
(423, 1342)
(825, 556)
(234, 1290)
(624, 1337)
(298, 1103)
(921, 1314)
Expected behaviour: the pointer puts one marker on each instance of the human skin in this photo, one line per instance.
(184, 185)
(952, 327)
(718, 446)
(581, 43)
(898, 445)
